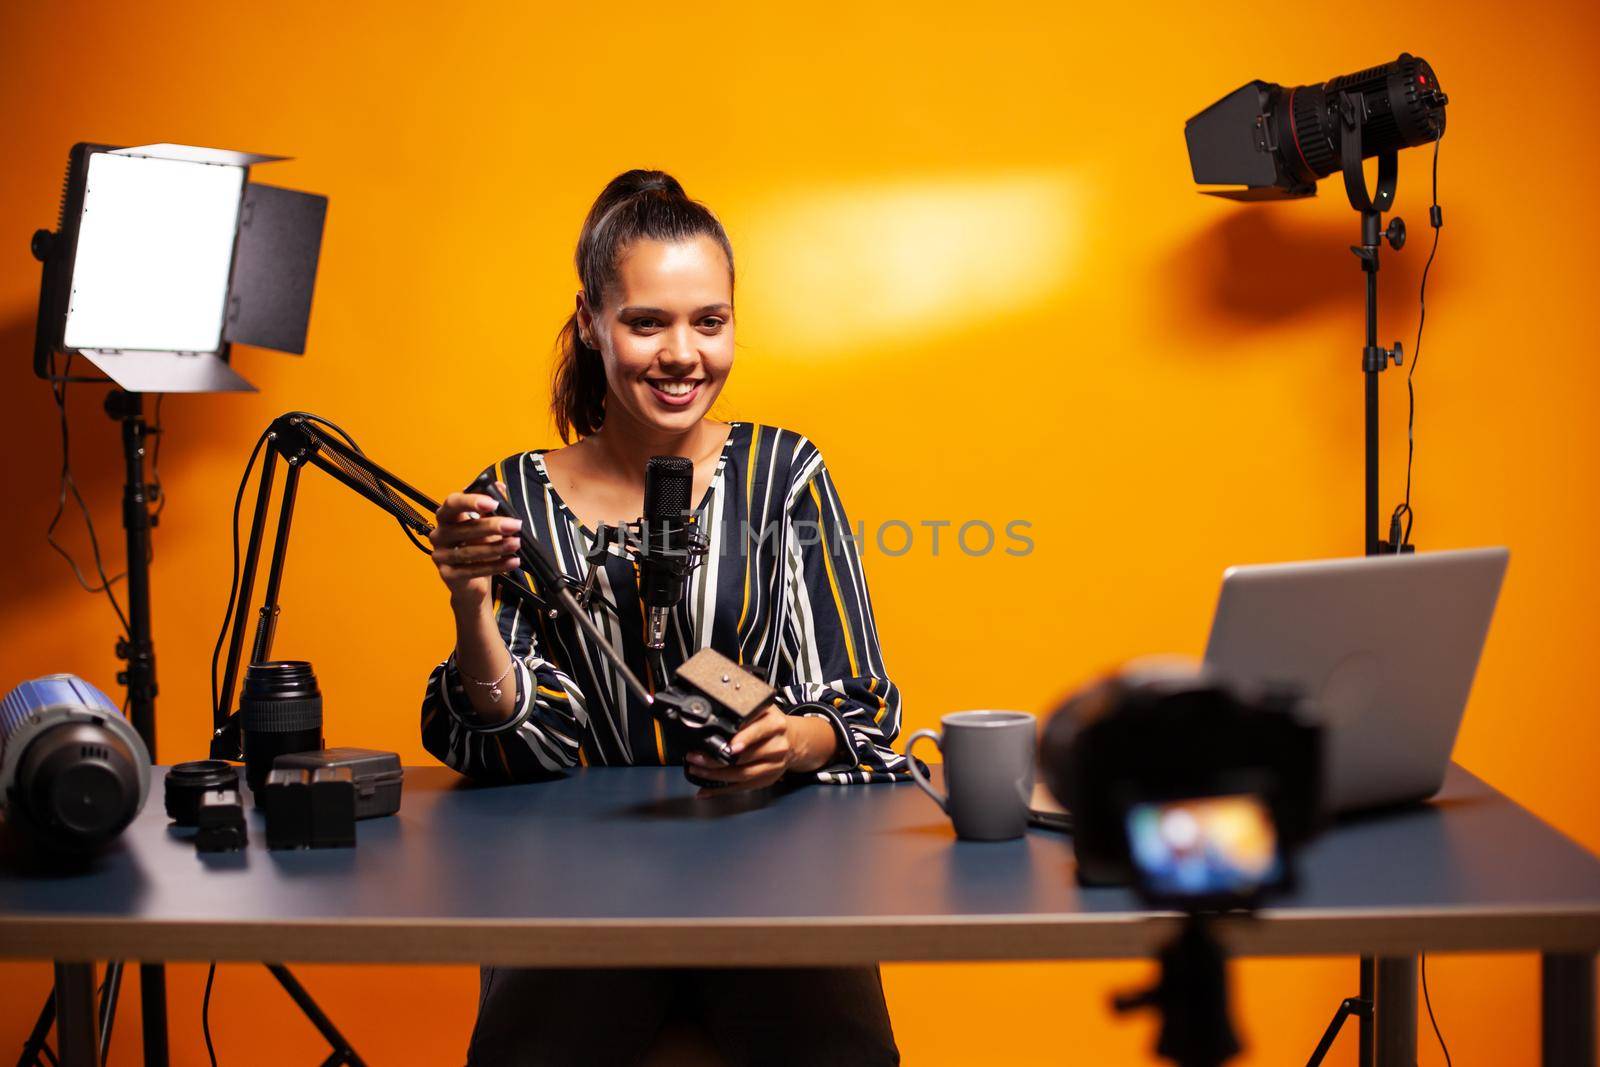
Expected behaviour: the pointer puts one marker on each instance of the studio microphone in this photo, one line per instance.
(665, 556)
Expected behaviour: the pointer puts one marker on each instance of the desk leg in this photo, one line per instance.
(153, 1012)
(76, 1037)
(1394, 1011)
(1567, 992)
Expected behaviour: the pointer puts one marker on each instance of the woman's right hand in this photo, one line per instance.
(471, 544)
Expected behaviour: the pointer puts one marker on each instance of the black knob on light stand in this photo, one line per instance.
(1395, 233)
(1375, 358)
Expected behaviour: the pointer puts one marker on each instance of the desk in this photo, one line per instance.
(625, 867)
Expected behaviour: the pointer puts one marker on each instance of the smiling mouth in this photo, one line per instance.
(675, 390)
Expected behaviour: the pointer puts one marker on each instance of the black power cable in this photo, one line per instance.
(233, 585)
(205, 1014)
(1426, 999)
(366, 477)
(155, 463)
(1402, 538)
(58, 389)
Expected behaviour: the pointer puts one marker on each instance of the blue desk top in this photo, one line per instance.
(628, 866)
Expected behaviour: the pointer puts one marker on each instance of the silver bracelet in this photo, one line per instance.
(494, 686)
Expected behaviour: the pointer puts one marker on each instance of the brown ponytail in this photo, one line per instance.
(634, 205)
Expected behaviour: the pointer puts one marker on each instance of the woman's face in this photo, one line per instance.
(665, 332)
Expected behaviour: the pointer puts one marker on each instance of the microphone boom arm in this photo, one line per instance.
(299, 438)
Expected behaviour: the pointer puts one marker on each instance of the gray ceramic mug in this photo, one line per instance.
(988, 770)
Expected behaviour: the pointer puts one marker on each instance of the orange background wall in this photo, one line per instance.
(972, 268)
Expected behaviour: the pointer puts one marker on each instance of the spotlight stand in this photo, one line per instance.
(1374, 358)
(1374, 361)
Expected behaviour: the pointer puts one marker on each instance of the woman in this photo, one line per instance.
(644, 355)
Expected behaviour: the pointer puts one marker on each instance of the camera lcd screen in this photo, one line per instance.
(1204, 847)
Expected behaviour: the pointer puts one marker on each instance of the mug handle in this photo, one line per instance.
(917, 775)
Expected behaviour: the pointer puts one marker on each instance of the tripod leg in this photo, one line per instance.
(109, 990)
(41, 1030)
(1347, 1007)
(79, 1045)
(342, 1052)
(153, 1012)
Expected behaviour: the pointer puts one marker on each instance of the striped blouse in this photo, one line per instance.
(780, 591)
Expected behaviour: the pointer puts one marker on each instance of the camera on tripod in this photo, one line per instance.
(1197, 793)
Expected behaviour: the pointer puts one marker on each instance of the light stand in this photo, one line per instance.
(182, 257)
(138, 648)
(1360, 1006)
(1374, 358)
(1374, 361)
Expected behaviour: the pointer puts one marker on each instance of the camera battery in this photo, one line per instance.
(220, 819)
(333, 808)
(377, 775)
(310, 808)
(286, 796)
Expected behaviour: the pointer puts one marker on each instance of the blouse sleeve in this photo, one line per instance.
(543, 736)
(830, 664)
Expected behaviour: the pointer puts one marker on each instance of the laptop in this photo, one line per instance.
(1385, 646)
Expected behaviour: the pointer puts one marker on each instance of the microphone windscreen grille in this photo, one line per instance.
(668, 482)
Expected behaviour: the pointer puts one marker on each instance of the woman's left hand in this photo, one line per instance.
(767, 748)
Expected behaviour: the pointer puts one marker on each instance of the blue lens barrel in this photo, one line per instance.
(73, 771)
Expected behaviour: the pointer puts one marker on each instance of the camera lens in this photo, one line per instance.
(280, 710)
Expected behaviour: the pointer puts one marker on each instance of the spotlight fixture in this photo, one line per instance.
(1279, 142)
(1275, 143)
